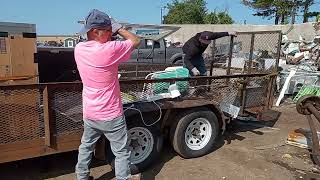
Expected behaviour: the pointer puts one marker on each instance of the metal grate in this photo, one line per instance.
(265, 49)
(253, 52)
(21, 116)
(246, 92)
(66, 105)
(256, 92)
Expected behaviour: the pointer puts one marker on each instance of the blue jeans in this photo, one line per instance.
(115, 131)
(198, 62)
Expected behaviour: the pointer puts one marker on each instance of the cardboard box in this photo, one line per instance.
(17, 52)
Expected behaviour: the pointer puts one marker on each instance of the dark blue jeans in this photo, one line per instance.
(198, 62)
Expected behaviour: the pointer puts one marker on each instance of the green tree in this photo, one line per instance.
(225, 18)
(194, 12)
(278, 9)
(306, 5)
(186, 12)
(282, 10)
(218, 18)
(211, 18)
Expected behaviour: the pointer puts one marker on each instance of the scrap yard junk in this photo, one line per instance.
(160, 100)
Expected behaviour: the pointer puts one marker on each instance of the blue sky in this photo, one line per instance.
(61, 16)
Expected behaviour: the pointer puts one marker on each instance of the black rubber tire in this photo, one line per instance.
(177, 132)
(178, 61)
(156, 149)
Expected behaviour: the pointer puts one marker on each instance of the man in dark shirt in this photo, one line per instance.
(194, 48)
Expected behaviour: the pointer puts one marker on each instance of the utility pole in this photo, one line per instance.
(293, 13)
(161, 13)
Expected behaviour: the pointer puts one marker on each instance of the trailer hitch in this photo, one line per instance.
(310, 105)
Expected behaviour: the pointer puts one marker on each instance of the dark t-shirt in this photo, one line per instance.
(193, 48)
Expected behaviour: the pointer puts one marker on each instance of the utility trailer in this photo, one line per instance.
(46, 118)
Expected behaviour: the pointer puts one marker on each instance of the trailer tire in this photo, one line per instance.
(201, 123)
(143, 155)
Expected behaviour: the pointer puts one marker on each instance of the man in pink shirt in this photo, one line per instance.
(97, 61)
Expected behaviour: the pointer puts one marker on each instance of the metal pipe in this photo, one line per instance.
(230, 54)
(213, 56)
(278, 51)
(251, 53)
(131, 81)
(243, 93)
(315, 141)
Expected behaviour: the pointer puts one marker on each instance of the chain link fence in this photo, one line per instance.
(248, 52)
(254, 52)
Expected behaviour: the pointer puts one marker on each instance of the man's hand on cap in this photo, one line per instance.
(115, 26)
(195, 71)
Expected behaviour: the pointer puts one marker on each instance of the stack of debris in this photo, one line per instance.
(300, 68)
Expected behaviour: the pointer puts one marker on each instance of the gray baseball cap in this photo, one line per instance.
(95, 19)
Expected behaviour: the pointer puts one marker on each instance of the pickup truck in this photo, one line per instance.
(149, 55)
(156, 52)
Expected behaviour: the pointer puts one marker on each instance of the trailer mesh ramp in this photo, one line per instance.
(256, 52)
(226, 92)
(66, 104)
(20, 115)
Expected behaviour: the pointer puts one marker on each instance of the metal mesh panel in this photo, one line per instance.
(240, 56)
(261, 48)
(21, 116)
(265, 52)
(226, 92)
(141, 70)
(66, 105)
(256, 92)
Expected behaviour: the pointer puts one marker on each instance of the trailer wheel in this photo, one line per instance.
(195, 132)
(145, 144)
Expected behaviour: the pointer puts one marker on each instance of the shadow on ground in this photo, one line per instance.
(237, 126)
(40, 168)
(150, 174)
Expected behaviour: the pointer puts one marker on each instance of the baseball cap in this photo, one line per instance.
(95, 19)
(205, 37)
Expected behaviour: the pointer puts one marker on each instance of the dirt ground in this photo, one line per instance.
(246, 151)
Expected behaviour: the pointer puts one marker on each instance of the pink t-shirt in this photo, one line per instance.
(98, 67)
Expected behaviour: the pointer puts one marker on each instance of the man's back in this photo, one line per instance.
(98, 67)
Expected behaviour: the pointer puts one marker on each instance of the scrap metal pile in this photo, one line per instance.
(300, 67)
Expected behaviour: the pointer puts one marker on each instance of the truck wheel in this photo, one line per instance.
(195, 132)
(178, 61)
(145, 144)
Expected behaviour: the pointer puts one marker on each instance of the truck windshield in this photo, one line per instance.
(150, 42)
